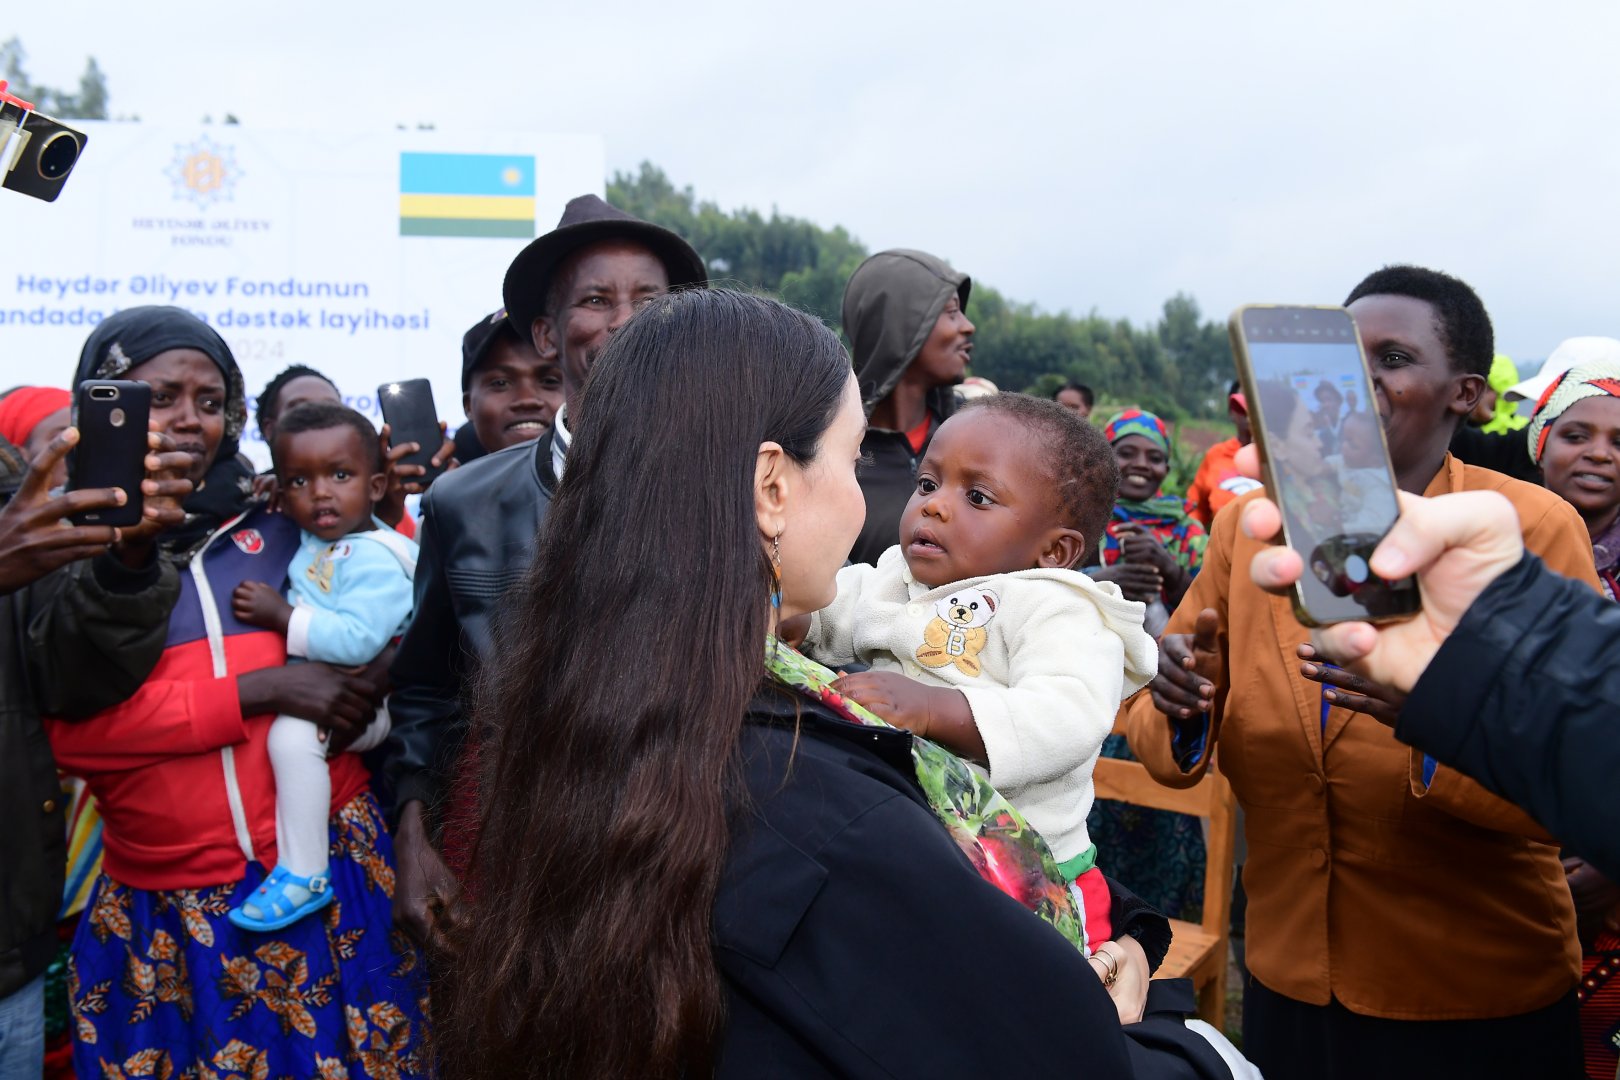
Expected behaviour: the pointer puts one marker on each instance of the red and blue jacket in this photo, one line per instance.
(182, 778)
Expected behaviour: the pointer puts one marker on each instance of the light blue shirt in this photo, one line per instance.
(350, 597)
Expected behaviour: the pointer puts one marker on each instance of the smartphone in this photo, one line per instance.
(407, 407)
(112, 417)
(46, 152)
(1322, 450)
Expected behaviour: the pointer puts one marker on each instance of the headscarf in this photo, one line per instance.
(129, 338)
(1135, 421)
(1599, 378)
(1165, 516)
(22, 410)
(1504, 376)
(133, 336)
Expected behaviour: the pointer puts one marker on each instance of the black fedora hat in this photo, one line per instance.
(587, 220)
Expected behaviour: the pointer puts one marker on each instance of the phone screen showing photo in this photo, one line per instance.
(1311, 396)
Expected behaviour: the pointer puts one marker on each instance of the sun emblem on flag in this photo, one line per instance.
(204, 172)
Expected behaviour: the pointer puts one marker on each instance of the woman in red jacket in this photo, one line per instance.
(160, 981)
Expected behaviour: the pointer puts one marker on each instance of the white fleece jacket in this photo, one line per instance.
(1044, 658)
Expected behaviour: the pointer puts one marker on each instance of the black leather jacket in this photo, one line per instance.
(477, 535)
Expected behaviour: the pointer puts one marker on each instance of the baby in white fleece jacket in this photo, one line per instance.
(978, 633)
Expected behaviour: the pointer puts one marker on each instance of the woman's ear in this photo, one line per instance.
(773, 486)
(1064, 548)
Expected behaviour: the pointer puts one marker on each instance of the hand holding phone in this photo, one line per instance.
(1323, 455)
(408, 409)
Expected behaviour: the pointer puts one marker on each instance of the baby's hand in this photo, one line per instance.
(930, 711)
(257, 604)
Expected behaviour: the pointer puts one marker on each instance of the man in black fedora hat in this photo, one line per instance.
(569, 290)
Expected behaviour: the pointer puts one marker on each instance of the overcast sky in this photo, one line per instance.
(1080, 155)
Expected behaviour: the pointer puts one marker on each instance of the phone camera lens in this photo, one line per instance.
(58, 156)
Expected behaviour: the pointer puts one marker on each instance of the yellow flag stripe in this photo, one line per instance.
(482, 207)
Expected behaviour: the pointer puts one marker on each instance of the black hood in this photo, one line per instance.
(891, 305)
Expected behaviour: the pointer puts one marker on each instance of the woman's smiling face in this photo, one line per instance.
(1142, 467)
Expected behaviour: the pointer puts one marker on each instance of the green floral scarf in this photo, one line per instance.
(1002, 846)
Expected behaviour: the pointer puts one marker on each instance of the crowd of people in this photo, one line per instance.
(723, 700)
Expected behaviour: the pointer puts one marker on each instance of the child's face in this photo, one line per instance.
(1358, 442)
(983, 505)
(1142, 468)
(326, 481)
(512, 395)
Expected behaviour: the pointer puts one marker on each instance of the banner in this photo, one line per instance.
(364, 255)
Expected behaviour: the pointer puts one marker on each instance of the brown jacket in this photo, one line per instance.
(1400, 900)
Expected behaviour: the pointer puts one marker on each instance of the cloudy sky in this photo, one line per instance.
(1080, 155)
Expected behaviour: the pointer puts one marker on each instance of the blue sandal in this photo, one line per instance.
(275, 908)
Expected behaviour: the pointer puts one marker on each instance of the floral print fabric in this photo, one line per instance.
(1000, 844)
(163, 985)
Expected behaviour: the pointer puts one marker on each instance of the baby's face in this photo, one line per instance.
(327, 481)
(983, 504)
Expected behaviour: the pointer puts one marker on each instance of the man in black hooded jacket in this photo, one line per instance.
(905, 313)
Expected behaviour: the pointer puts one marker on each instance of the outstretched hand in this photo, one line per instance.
(1456, 545)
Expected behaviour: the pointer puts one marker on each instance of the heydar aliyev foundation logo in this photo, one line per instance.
(204, 172)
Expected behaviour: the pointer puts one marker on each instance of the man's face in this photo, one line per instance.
(512, 394)
(600, 286)
(1421, 393)
(944, 357)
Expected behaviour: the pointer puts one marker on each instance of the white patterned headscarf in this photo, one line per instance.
(1599, 378)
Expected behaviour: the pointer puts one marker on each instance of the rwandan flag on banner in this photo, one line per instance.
(466, 195)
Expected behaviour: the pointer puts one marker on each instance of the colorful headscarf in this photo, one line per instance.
(1137, 422)
(23, 409)
(1600, 378)
(1504, 376)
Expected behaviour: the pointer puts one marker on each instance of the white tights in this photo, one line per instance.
(304, 789)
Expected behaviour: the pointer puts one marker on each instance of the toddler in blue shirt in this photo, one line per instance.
(350, 594)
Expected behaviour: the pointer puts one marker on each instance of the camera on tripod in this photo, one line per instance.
(45, 153)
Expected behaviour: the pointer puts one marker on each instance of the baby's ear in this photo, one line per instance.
(1064, 548)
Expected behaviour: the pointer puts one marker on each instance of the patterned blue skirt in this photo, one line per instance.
(163, 985)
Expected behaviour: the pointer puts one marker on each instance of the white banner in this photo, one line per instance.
(364, 255)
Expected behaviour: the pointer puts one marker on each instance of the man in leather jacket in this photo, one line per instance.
(570, 290)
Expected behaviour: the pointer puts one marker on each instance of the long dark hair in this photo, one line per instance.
(610, 717)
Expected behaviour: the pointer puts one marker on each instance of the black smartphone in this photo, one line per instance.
(112, 417)
(46, 152)
(407, 407)
(1322, 450)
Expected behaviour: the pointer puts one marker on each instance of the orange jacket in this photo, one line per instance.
(1400, 899)
(1217, 482)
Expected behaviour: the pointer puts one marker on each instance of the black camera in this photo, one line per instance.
(45, 152)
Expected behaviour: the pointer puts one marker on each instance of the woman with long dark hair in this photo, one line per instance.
(694, 857)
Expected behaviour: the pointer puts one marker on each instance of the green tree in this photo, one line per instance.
(88, 103)
(1175, 367)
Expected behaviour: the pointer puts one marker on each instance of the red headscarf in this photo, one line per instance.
(23, 409)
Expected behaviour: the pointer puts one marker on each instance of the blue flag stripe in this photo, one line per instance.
(466, 174)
